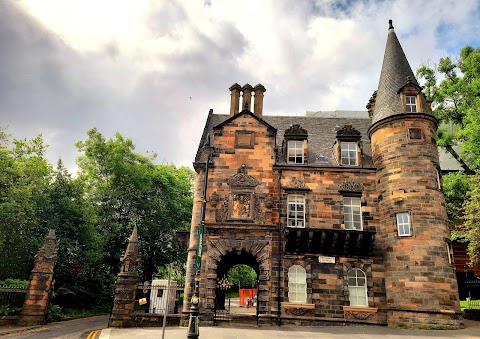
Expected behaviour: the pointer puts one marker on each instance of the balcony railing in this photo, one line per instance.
(347, 243)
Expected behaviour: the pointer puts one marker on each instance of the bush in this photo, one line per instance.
(54, 313)
(15, 283)
(10, 310)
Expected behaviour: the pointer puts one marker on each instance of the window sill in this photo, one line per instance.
(290, 304)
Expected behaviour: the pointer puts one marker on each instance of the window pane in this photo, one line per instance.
(297, 286)
(296, 211)
(348, 153)
(352, 213)
(295, 152)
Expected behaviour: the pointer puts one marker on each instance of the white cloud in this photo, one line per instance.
(153, 69)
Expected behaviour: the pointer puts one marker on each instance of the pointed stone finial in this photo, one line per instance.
(390, 24)
(133, 242)
(48, 251)
(131, 257)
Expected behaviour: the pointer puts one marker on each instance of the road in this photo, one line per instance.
(71, 329)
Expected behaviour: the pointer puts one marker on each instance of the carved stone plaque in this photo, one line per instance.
(241, 205)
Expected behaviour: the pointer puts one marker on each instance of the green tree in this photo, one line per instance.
(81, 280)
(243, 276)
(24, 178)
(126, 189)
(456, 100)
(471, 225)
(454, 87)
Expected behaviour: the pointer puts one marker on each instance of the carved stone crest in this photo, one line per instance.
(241, 205)
(242, 179)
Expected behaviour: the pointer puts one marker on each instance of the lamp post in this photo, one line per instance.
(193, 332)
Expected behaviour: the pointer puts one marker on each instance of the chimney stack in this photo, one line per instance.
(258, 108)
(247, 96)
(235, 99)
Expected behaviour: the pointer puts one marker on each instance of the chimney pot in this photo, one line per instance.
(258, 104)
(247, 95)
(235, 98)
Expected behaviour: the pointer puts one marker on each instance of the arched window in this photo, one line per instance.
(357, 287)
(297, 284)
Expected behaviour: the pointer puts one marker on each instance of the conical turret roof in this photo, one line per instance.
(395, 73)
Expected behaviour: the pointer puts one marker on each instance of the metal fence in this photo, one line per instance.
(11, 300)
(473, 304)
(158, 297)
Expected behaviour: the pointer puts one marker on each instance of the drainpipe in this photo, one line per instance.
(280, 244)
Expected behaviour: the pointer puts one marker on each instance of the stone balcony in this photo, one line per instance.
(344, 243)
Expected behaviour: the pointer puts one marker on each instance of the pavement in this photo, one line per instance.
(472, 330)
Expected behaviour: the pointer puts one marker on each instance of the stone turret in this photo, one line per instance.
(420, 282)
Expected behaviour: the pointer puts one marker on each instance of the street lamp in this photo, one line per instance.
(193, 332)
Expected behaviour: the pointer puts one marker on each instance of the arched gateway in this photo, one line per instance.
(224, 254)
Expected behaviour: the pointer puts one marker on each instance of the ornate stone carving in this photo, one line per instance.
(296, 132)
(241, 205)
(297, 311)
(358, 315)
(296, 183)
(350, 186)
(268, 201)
(347, 132)
(258, 211)
(214, 199)
(242, 179)
(222, 212)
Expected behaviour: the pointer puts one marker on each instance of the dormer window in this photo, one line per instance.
(295, 148)
(410, 93)
(411, 104)
(295, 152)
(347, 146)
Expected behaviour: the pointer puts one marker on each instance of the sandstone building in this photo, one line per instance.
(342, 217)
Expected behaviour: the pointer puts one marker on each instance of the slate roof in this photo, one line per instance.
(321, 136)
(395, 70)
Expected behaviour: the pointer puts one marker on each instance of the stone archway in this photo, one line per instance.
(222, 254)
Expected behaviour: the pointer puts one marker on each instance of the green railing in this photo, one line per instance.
(473, 304)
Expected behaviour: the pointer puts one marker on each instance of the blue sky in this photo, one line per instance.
(151, 70)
